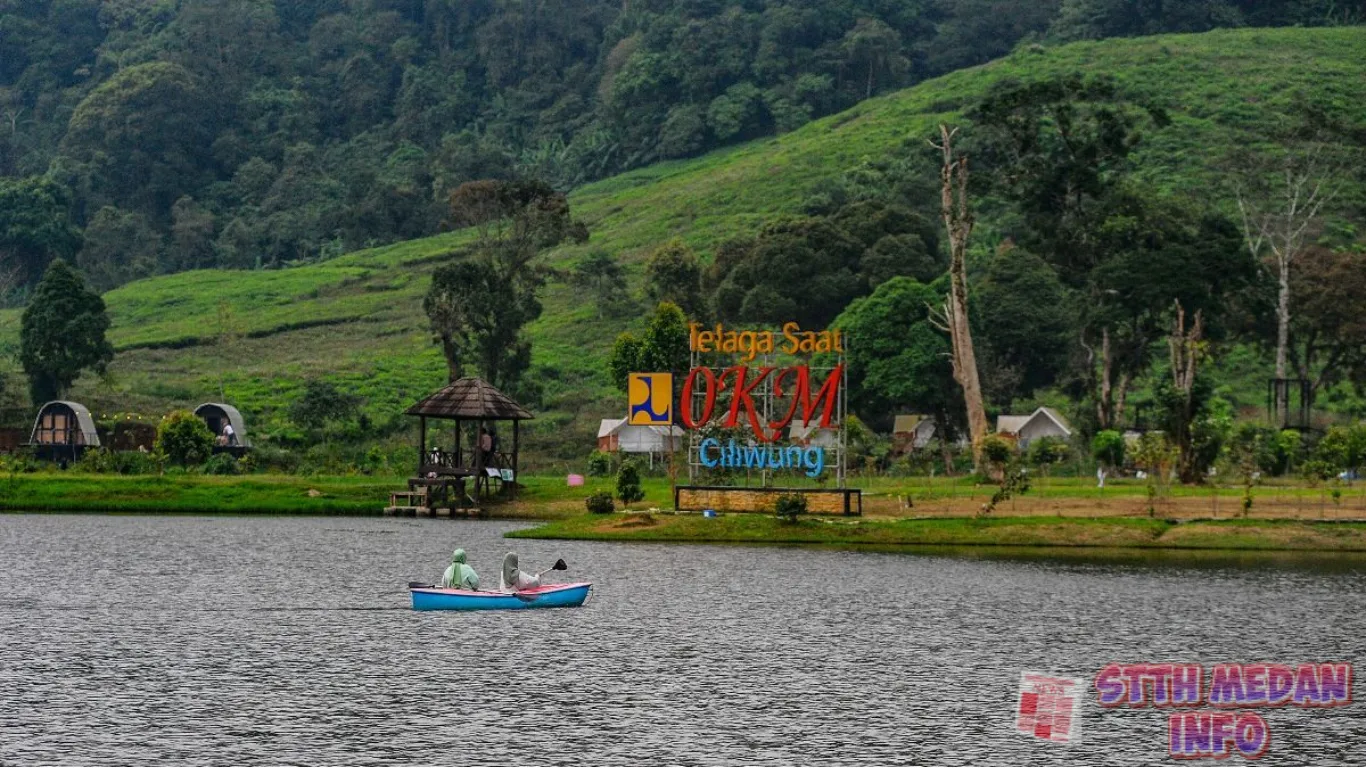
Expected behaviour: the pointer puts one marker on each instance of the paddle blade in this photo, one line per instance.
(419, 585)
(559, 566)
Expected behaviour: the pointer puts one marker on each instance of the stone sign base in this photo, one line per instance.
(819, 501)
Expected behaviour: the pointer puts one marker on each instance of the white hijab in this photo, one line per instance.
(513, 578)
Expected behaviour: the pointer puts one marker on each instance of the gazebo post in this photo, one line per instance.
(421, 443)
(479, 457)
(458, 460)
(516, 470)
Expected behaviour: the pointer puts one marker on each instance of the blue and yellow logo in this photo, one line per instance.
(651, 399)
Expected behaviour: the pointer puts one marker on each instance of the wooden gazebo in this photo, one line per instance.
(469, 399)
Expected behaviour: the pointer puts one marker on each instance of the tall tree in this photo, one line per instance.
(1186, 348)
(956, 209)
(1328, 332)
(663, 348)
(62, 333)
(480, 306)
(1280, 202)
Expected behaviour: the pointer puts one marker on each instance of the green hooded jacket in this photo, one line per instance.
(459, 575)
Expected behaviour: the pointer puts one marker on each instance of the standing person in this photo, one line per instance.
(458, 575)
(486, 446)
(228, 434)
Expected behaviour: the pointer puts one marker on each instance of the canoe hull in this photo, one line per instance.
(548, 596)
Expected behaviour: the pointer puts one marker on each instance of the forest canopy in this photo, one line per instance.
(249, 134)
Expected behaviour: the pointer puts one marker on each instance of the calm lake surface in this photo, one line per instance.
(227, 640)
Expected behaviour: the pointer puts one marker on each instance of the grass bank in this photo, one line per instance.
(548, 497)
(267, 494)
(949, 532)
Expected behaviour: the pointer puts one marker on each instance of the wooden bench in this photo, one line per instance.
(416, 497)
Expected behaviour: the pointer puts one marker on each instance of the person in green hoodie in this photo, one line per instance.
(459, 575)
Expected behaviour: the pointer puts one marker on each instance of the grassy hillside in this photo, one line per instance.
(358, 319)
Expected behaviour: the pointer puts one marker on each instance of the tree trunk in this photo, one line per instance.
(452, 353)
(1185, 352)
(958, 221)
(1104, 416)
(1282, 391)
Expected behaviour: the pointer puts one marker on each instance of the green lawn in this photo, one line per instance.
(358, 319)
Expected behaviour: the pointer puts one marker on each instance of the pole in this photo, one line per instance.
(516, 442)
(421, 443)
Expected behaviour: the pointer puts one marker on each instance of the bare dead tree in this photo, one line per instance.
(1279, 216)
(1186, 348)
(958, 221)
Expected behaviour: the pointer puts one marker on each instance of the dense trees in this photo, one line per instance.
(1059, 151)
(809, 269)
(34, 228)
(900, 360)
(249, 133)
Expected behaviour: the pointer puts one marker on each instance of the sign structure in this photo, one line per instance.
(650, 398)
(1049, 708)
(747, 390)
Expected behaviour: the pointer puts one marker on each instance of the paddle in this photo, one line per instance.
(558, 566)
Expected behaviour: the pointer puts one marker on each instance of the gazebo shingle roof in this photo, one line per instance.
(469, 398)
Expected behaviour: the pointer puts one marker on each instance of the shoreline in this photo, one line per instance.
(1041, 533)
(1066, 519)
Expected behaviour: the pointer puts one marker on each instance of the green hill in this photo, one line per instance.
(358, 320)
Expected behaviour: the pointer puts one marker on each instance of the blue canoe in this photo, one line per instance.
(547, 596)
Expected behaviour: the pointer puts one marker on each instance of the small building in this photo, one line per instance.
(218, 416)
(812, 434)
(912, 432)
(616, 435)
(1043, 422)
(607, 434)
(63, 431)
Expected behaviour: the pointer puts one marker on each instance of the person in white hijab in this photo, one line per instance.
(513, 578)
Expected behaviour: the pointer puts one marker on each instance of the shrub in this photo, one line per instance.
(1047, 451)
(628, 483)
(1343, 447)
(222, 464)
(270, 459)
(599, 464)
(1316, 471)
(600, 503)
(184, 438)
(790, 506)
(1107, 447)
(997, 450)
(134, 463)
(96, 461)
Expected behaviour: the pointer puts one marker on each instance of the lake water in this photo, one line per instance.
(230, 640)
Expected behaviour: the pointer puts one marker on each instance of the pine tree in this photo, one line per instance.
(63, 333)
